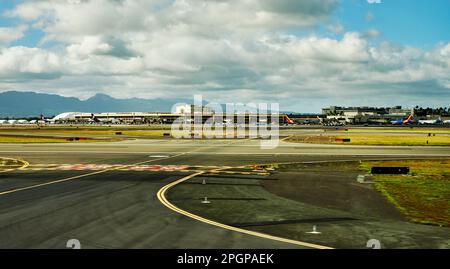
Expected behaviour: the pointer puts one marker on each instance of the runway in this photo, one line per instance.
(113, 202)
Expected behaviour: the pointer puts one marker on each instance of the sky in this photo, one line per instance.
(302, 54)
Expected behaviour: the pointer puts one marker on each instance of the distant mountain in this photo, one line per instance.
(15, 104)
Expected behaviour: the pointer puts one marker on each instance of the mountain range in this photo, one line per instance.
(14, 104)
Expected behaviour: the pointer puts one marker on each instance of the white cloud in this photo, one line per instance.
(89, 45)
(336, 28)
(224, 49)
(19, 62)
(10, 34)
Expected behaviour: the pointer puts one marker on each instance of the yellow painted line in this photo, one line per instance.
(162, 198)
(80, 176)
(286, 138)
(25, 164)
(47, 164)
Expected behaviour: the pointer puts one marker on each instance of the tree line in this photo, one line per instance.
(441, 111)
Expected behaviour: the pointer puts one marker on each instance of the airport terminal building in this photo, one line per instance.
(366, 115)
(188, 113)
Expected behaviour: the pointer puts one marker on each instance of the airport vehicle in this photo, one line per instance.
(409, 120)
(446, 122)
(431, 122)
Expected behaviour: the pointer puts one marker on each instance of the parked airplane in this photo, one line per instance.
(287, 120)
(321, 120)
(431, 122)
(43, 120)
(97, 120)
(409, 120)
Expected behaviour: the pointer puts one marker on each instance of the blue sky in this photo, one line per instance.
(420, 23)
(304, 54)
(417, 23)
(32, 35)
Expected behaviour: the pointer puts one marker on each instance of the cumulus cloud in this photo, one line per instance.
(28, 63)
(229, 50)
(10, 34)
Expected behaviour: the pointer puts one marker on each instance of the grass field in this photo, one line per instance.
(386, 140)
(398, 130)
(25, 139)
(423, 196)
(375, 140)
(148, 132)
(113, 131)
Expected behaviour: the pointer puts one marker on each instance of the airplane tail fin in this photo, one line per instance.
(288, 120)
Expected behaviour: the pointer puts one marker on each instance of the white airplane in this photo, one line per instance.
(97, 120)
(431, 122)
(22, 122)
(43, 120)
(447, 122)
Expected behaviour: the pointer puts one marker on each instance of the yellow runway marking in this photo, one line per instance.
(25, 164)
(162, 198)
(80, 176)
(286, 138)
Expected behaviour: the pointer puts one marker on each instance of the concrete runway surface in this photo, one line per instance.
(106, 196)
